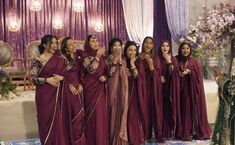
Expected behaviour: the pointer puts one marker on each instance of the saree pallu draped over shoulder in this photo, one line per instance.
(117, 102)
(73, 110)
(49, 100)
(95, 101)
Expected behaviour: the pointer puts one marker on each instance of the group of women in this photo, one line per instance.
(121, 98)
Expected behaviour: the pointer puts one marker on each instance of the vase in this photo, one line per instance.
(212, 61)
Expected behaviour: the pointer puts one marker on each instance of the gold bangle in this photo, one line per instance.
(218, 78)
(133, 68)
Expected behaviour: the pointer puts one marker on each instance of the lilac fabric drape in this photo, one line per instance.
(161, 30)
(177, 13)
(77, 25)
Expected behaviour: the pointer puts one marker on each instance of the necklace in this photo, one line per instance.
(183, 66)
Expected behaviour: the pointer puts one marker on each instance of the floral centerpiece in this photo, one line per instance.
(6, 86)
(213, 32)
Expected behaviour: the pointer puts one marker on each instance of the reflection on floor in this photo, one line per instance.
(37, 142)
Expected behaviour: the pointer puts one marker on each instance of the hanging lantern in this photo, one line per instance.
(13, 26)
(57, 23)
(35, 5)
(14, 23)
(99, 27)
(78, 6)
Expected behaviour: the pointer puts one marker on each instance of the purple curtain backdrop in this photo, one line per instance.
(161, 31)
(77, 25)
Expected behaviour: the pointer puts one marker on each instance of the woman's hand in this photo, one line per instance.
(163, 80)
(53, 81)
(102, 78)
(133, 60)
(80, 89)
(58, 77)
(149, 61)
(187, 71)
(73, 89)
(100, 52)
(167, 57)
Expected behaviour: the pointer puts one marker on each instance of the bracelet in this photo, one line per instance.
(169, 63)
(133, 68)
(218, 78)
(45, 80)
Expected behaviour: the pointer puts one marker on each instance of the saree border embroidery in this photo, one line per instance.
(93, 108)
(48, 134)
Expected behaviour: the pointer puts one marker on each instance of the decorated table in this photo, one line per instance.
(18, 117)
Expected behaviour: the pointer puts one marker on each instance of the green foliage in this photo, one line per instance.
(5, 85)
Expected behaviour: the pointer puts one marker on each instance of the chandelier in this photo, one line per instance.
(57, 23)
(35, 5)
(13, 26)
(78, 6)
(99, 27)
(14, 23)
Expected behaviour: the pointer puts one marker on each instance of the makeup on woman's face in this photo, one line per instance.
(185, 50)
(94, 43)
(71, 46)
(116, 48)
(148, 45)
(131, 50)
(51, 47)
(165, 47)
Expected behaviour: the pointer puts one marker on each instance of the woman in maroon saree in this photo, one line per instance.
(153, 97)
(117, 93)
(73, 98)
(170, 81)
(94, 93)
(46, 73)
(193, 104)
(137, 94)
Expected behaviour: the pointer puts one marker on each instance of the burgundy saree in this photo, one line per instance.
(137, 106)
(193, 104)
(148, 100)
(171, 98)
(157, 101)
(95, 101)
(49, 100)
(74, 118)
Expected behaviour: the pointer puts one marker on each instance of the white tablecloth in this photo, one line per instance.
(18, 117)
(211, 92)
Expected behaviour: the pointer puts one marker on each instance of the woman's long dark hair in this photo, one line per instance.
(127, 45)
(180, 56)
(45, 40)
(111, 43)
(65, 51)
(160, 49)
(152, 51)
